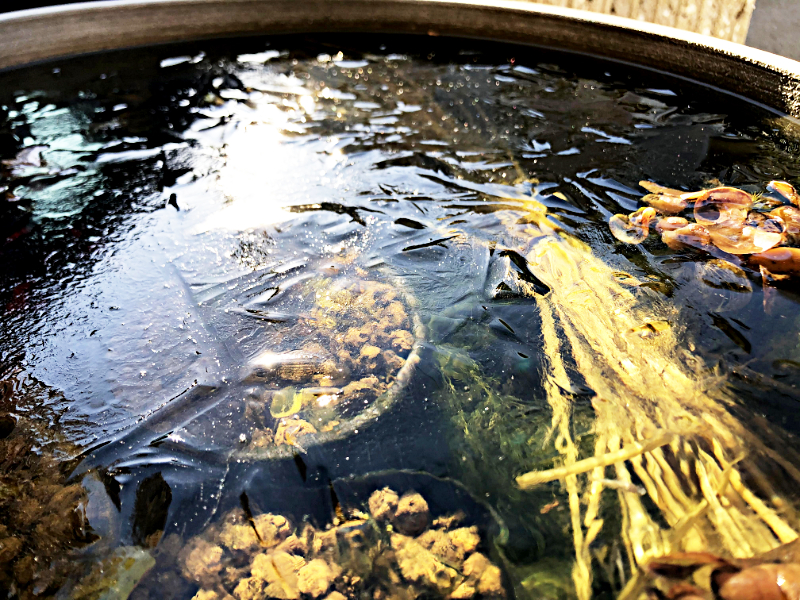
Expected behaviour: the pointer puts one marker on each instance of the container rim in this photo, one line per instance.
(37, 35)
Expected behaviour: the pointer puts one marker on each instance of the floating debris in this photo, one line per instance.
(650, 329)
(779, 260)
(670, 224)
(664, 200)
(726, 219)
(689, 236)
(722, 208)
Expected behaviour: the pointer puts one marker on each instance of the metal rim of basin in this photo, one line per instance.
(41, 34)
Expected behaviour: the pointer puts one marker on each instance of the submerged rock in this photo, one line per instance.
(239, 537)
(202, 561)
(315, 578)
(290, 430)
(250, 588)
(483, 577)
(402, 340)
(294, 545)
(277, 573)
(421, 567)
(272, 529)
(360, 556)
(412, 514)
(383, 504)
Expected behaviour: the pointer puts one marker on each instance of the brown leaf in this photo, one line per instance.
(790, 215)
(686, 591)
(633, 228)
(670, 205)
(779, 260)
(670, 224)
(681, 565)
(692, 235)
(654, 188)
(723, 207)
(786, 190)
(744, 240)
(763, 582)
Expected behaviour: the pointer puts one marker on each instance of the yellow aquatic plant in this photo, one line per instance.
(659, 415)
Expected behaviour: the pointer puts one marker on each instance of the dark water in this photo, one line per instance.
(181, 188)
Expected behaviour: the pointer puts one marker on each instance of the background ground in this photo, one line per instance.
(775, 26)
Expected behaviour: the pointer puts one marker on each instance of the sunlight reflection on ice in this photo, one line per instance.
(259, 176)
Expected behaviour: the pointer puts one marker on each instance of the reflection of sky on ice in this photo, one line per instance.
(263, 171)
(130, 336)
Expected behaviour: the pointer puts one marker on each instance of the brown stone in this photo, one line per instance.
(315, 578)
(383, 504)
(412, 515)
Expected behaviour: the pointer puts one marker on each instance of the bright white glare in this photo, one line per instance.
(325, 399)
(177, 60)
(323, 58)
(307, 103)
(259, 58)
(265, 169)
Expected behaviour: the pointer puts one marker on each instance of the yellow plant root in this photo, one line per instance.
(656, 413)
(534, 478)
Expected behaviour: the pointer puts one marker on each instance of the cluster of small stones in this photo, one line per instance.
(370, 326)
(396, 552)
(365, 330)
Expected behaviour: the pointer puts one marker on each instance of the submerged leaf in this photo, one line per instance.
(725, 286)
(663, 199)
(670, 224)
(650, 329)
(765, 582)
(633, 228)
(670, 205)
(286, 402)
(692, 235)
(747, 240)
(786, 190)
(790, 215)
(736, 336)
(779, 260)
(722, 207)
(724, 275)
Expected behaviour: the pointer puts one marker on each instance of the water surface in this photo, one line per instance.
(188, 207)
